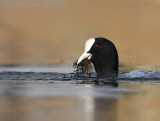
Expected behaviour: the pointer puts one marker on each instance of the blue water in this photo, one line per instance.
(47, 93)
(140, 74)
(66, 74)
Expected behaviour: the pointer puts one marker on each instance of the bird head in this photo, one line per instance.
(103, 54)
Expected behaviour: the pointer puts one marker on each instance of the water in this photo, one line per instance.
(53, 94)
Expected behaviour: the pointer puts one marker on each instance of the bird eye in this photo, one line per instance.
(96, 46)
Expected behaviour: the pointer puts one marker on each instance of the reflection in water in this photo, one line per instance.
(86, 106)
(59, 109)
(11, 107)
(99, 109)
(43, 101)
(112, 83)
(105, 110)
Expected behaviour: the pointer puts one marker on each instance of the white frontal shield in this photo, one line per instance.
(88, 46)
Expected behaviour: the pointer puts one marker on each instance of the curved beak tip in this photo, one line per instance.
(84, 56)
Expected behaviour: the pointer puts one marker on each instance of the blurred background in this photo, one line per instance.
(55, 31)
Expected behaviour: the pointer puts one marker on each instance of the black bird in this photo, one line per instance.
(103, 54)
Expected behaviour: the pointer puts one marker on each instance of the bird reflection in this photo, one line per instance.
(111, 83)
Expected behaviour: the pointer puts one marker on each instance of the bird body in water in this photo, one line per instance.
(104, 56)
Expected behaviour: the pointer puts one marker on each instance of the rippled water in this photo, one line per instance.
(32, 93)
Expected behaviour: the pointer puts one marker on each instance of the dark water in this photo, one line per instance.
(42, 94)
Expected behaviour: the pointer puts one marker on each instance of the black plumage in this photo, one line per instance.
(104, 56)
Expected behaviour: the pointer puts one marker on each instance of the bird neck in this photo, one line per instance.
(105, 71)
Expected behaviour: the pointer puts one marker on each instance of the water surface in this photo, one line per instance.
(43, 95)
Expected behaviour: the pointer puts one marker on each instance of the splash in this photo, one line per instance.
(140, 74)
